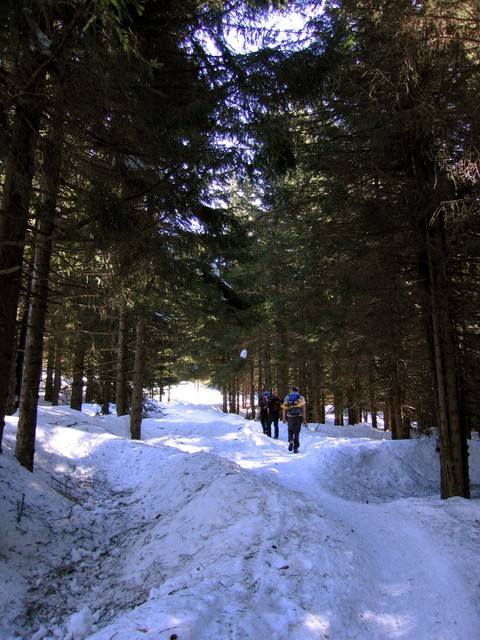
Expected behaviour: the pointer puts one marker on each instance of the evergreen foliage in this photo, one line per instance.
(314, 200)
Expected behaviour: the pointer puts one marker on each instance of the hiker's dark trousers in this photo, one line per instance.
(273, 417)
(294, 425)
(264, 419)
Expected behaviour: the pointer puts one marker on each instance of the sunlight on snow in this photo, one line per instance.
(316, 623)
(189, 447)
(241, 540)
(391, 626)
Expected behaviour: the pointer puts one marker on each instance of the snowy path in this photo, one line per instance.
(399, 578)
(396, 564)
(402, 566)
(208, 529)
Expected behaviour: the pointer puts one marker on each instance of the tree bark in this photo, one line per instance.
(396, 413)
(231, 398)
(317, 386)
(338, 408)
(91, 386)
(33, 358)
(121, 398)
(138, 376)
(453, 440)
(225, 398)
(57, 376)
(106, 396)
(432, 263)
(32, 369)
(252, 390)
(78, 370)
(353, 403)
(14, 215)
(372, 395)
(49, 370)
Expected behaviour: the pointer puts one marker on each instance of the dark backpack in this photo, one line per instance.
(264, 399)
(274, 403)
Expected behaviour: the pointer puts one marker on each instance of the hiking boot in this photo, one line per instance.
(290, 446)
(295, 451)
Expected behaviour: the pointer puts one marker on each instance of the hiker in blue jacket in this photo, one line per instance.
(294, 414)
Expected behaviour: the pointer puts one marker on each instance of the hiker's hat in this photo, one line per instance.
(295, 389)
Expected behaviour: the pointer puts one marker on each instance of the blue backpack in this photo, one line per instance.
(293, 404)
(265, 399)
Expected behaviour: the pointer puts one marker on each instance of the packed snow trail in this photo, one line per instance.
(402, 591)
(398, 566)
(208, 529)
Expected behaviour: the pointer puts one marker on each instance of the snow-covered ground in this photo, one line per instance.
(207, 529)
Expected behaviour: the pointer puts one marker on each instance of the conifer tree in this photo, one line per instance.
(389, 103)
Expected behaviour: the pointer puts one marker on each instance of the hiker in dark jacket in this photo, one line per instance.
(273, 405)
(262, 405)
(295, 413)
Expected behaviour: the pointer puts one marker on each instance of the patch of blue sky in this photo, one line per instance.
(286, 29)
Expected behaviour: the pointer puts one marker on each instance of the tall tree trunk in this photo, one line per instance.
(57, 376)
(387, 421)
(283, 358)
(138, 376)
(353, 403)
(432, 264)
(396, 412)
(322, 418)
(252, 389)
(260, 381)
(49, 370)
(372, 394)
(32, 371)
(231, 398)
(268, 362)
(225, 398)
(106, 382)
(400, 430)
(91, 386)
(121, 399)
(14, 214)
(338, 408)
(453, 440)
(20, 346)
(12, 396)
(106, 396)
(317, 389)
(76, 399)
